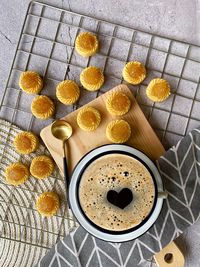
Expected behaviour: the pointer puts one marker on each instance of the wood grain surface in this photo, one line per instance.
(170, 256)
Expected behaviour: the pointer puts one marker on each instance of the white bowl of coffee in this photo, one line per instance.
(116, 193)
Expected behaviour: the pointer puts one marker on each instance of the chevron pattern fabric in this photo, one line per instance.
(180, 171)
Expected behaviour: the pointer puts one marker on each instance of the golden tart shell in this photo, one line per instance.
(158, 90)
(42, 107)
(26, 142)
(92, 78)
(88, 119)
(47, 204)
(86, 44)
(67, 92)
(118, 131)
(42, 167)
(134, 72)
(118, 103)
(30, 82)
(16, 173)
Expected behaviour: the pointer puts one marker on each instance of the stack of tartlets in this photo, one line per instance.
(88, 118)
(41, 167)
(119, 130)
(42, 106)
(117, 104)
(91, 78)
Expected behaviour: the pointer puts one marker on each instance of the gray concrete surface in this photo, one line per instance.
(177, 19)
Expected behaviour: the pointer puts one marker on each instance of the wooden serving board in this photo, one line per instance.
(170, 256)
(81, 142)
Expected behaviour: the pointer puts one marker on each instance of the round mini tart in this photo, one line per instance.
(41, 167)
(118, 103)
(42, 107)
(134, 72)
(17, 173)
(26, 142)
(88, 119)
(158, 90)
(30, 82)
(86, 44)
(67, 92)
(92, 78)
(47, 204)
(118, 131)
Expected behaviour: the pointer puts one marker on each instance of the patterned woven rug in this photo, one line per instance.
(25, 235)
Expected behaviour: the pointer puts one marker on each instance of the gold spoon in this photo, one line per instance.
(62, 130)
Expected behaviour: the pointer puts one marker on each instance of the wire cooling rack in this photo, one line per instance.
(46, 44)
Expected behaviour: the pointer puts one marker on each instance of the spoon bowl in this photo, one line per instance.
(61, 130)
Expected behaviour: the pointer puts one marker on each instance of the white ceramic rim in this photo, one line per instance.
(74, 204)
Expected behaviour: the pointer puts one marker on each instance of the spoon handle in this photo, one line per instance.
(66, 177)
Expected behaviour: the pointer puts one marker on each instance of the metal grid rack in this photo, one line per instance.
(46, 44)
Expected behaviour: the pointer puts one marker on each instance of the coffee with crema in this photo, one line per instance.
(113, 173)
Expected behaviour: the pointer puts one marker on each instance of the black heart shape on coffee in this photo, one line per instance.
(121, 199)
